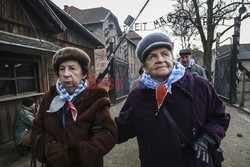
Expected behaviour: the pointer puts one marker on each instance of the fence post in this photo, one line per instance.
(234, 56)
(242, 93)
(214, 77)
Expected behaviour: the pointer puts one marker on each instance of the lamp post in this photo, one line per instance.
(235, 54)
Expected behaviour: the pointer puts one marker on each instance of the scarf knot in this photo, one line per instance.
(163, 88)
(63, 97)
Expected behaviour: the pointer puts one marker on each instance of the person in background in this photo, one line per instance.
(189, 63)
(206, 72)
(136, 82)
(22, 125)
(189, 99)
(62, 131)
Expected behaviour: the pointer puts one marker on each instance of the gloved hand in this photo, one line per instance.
(97, 129)
(201, 146)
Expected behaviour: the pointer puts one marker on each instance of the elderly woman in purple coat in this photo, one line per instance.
(190, 100)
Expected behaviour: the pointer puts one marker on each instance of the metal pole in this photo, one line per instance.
(112, 92)
(112, 54)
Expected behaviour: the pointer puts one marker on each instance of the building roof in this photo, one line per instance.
(244, 51)
(88, 16)
(131, 42)
(132, 35)
(10, 40)
(92, 15)
(71, 20)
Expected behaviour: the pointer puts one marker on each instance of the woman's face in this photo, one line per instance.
(70, 74)
(159, 63)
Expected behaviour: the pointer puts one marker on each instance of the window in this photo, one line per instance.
(17, 78)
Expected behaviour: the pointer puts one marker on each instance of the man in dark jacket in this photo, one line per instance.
(189, 63)
(189, 99)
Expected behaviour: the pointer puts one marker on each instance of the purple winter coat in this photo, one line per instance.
(195, 107)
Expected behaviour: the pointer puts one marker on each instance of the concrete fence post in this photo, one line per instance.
(242, 93)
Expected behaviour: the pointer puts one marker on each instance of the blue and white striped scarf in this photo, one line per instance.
(176, 74)
(65, 95)
(192, 62)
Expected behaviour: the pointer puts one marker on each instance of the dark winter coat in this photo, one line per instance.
(22, 124)
(76, 146)
(195, 107)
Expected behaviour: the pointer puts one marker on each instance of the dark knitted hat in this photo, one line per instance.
(185, 52)
(152, 41)
(71, 53)
(27, 102)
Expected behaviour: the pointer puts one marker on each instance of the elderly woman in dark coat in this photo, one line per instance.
(191, 101)
(61, 130)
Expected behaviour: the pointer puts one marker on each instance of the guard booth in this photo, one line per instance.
(226, 65)
(121, 80)
(223, 72)
(118, 74)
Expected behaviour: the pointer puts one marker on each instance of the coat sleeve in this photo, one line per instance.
(39, 137)
(98, 145)
(27, 117)
(204, 73)
(123, 121)
(217, 119)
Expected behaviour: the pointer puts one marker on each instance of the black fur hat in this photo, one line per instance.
(71, 53)
(150, 42)
(185, 52)
(27, 102)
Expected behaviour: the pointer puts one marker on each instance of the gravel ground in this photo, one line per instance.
(237, 142)
(125, 154)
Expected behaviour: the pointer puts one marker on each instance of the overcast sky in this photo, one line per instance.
(153, 11)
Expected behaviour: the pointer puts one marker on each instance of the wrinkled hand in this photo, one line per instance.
(97, 129)
(201, 146)
(195, 73)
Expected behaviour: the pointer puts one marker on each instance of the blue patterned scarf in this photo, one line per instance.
(176, 74)
(65, 95)
(192, 62)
